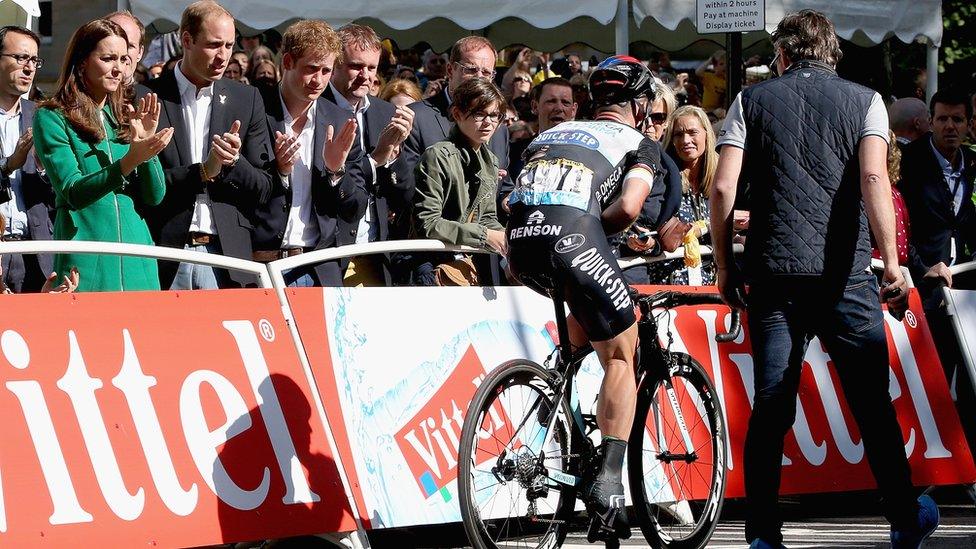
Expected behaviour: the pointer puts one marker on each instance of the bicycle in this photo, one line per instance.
(526, 444)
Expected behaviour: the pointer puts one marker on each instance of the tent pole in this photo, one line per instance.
(932, 69)
(622, 28)
(734, 72)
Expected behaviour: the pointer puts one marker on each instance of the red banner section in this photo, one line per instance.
(159, 419)
(823, 451)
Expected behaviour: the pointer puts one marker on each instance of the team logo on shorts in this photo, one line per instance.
(569, 243)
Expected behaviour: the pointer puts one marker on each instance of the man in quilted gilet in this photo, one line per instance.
(813, 148)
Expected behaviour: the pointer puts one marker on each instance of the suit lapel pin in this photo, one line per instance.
(223, 98)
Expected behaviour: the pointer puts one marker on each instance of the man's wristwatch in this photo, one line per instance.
(332, 175)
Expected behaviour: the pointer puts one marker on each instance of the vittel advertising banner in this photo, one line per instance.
(158, 420)
(397, 368)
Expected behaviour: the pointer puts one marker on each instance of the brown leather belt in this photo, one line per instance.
(266, 256)
(198, 239)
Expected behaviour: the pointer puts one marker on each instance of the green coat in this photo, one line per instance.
(452, 180)
(94, 202)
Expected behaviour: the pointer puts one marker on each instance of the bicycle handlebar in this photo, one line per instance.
(669, 298)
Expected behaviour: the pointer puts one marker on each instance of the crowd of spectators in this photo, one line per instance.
(203, 150)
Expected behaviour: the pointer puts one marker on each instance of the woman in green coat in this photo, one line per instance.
(100, 155)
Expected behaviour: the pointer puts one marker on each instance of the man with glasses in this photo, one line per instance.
(470, 57)
(26, 197)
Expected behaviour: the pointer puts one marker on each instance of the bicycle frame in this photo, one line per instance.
(651, 355)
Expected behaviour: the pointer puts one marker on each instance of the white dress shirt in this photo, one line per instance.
(369, 230)
(302, 228)
(196, 105)
(14, 210)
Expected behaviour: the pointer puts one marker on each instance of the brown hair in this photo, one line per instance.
(551, 81)
(399, 86)
(361, 37)
(196, 13)
(138, 23)
(72, 96)
(808, 34)
(469, 43)
(310, 36)
(477, 94)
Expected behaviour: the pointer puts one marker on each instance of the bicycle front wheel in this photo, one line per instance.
(676, 457)
(516, 478)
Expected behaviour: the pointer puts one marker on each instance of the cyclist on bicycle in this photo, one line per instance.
(582, 181)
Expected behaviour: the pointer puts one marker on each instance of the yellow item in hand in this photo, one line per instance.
(692, 249)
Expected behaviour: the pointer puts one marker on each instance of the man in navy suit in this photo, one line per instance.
(218, 164)
(470, 57)
(937, 182)
(382, 129)
(26, 197)
(319, 185)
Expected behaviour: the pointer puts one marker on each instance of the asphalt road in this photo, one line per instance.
(835, 520)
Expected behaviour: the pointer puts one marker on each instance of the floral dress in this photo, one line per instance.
(694, 207)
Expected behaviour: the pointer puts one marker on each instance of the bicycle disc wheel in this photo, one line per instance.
(677, 475)
(507, 497)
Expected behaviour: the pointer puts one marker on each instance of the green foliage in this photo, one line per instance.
(959, 33)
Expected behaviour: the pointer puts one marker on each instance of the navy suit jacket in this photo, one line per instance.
(391, 188)
(934, 224)
(333, 204)
(235, 194)
(38, 196)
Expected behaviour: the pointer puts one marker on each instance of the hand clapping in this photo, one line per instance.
(337, 147)
(146, 142)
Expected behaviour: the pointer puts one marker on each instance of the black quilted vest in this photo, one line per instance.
(801, 166)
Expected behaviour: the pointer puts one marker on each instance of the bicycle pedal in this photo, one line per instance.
(611, 525)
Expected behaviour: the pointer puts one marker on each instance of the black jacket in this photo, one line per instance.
(235, 194)
(803, 132)
(392, 187)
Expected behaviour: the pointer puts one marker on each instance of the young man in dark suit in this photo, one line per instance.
(218, 164)
(318, 183)
(382, 129)
(26, 197)
(470, 57)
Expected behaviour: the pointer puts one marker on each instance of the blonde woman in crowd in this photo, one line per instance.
(691, 143)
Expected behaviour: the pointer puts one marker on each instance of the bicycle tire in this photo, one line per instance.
(678, 496)
(502, 412)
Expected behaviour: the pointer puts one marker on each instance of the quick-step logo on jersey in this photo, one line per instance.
(593, 264)
(576, 137)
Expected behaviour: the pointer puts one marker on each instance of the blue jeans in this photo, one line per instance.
(783, 317)
(190, 276)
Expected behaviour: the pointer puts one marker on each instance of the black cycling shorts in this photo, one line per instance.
(563, 251)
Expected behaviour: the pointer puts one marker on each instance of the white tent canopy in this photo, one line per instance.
(553, 24)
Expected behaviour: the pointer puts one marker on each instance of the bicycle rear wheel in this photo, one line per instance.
(677, 474)
(507, 463)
